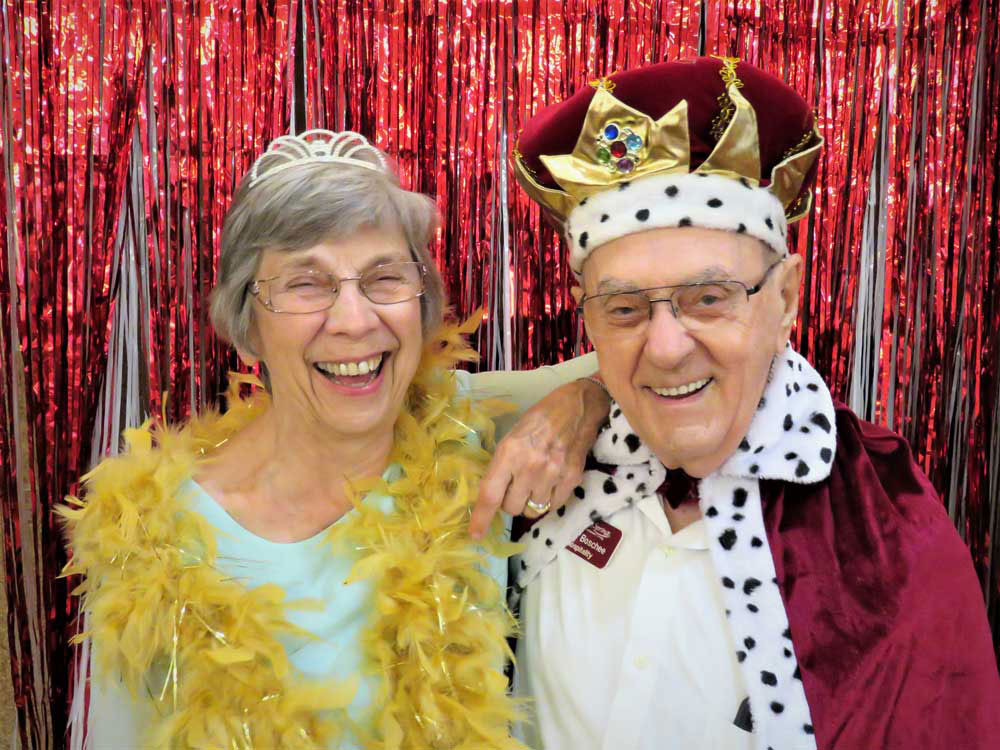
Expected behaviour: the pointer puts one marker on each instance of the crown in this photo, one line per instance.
(317, 145)
(619, 143)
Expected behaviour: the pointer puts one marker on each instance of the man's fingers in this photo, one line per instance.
(492, 488)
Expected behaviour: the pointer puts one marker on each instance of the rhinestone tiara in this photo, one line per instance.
(317, 145)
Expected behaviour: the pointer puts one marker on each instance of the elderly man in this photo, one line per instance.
(746, 563)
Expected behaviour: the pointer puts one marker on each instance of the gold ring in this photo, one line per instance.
(538, 507)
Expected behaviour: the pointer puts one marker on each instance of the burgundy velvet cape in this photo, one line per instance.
(885, 610)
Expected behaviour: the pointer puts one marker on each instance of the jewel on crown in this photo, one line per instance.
(317, 145)
(619, 148)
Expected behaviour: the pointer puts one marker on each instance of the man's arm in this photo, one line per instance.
(545, 443)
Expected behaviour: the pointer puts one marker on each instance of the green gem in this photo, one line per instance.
(603, 155)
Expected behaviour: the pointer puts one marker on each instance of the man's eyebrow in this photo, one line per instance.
(611, 284)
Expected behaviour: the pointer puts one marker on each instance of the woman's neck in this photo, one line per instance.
(287, 483)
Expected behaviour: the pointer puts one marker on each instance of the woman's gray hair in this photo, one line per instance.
(302, 205)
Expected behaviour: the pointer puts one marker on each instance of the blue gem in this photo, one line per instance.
(611, 131)
(633, 142)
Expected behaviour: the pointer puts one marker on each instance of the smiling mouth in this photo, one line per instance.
(683, 391)
(355, 374)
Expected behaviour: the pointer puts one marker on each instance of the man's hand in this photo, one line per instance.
(542, 458)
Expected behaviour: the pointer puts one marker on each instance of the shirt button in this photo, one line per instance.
(640, 662)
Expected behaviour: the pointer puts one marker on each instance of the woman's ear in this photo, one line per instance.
(789, 283)
(577, 293)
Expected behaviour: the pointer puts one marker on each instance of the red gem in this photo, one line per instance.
(618, 149)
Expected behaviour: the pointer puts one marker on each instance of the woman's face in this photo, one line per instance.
(309, 356)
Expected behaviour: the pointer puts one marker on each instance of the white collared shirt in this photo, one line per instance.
(634, 656)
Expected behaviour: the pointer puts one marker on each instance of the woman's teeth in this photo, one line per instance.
(682, 390)
(350, 369)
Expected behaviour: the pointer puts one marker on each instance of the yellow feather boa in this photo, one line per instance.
(160, 610)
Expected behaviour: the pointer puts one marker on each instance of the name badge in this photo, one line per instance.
(597, 543)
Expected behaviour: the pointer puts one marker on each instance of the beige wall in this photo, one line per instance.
(6, 692)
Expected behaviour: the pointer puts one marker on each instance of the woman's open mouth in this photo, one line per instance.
(353, 373)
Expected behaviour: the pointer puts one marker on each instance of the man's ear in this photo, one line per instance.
(577, 292)
(789, 283)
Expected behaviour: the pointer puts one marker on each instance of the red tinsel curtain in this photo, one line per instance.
(123, 126)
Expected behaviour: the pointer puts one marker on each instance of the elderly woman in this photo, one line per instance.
(298, 571)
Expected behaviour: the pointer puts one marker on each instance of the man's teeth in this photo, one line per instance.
(681, 390)
(363, 367)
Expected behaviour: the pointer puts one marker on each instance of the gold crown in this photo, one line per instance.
(644, 147)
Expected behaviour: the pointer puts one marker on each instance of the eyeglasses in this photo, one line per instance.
(695, 306)
(301, 292)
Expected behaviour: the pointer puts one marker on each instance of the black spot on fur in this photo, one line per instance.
(578, 491)
(604, 218)
(749, 643)
(744, 446)
(714, 203)
(642, 214)
(583, 239)
(727, 539)
(768, 678)
(671, 190)
(777, 707)
(756, 542)
(728, 582)
(739, 497)
(609, 486)
(632, 441)
(826, 454)
(749, 585)
(741, 229)
(711, 512)
(787, 424)
(820, 421)
(684, 222)
(802, 469)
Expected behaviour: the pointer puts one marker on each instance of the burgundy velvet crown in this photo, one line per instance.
(707, 115)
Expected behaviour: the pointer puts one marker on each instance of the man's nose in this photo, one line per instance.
(668, 342)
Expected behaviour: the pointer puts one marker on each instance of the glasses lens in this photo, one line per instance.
(707, 302)
(393, 282)
(303, 291)
(619, 311)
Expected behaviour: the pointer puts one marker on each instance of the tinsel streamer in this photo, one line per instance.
(71, 76)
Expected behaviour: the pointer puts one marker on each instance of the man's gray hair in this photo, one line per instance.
(302, 206)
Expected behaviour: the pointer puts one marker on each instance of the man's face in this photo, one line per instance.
(722, 365)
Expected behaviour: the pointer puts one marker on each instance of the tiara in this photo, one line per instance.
(317, 145)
